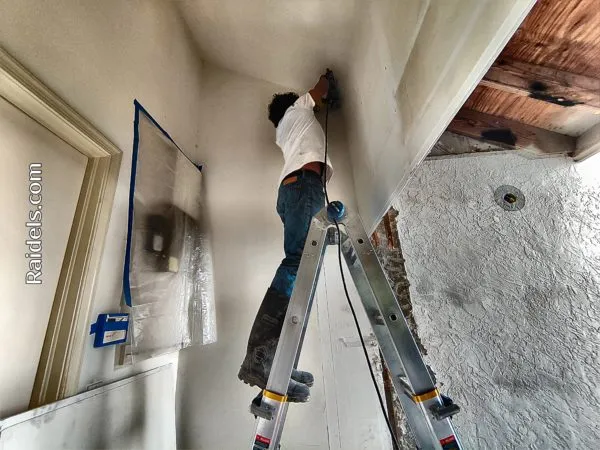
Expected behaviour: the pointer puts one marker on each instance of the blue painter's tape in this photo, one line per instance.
(139, 107)
(134, 158)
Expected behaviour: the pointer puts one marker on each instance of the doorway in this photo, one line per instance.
(57, 180)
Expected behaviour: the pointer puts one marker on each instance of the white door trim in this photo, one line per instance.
(62, 354)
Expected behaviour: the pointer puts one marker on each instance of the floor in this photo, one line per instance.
(507, 302)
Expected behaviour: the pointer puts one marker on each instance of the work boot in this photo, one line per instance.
(262, 345)
(303, 377)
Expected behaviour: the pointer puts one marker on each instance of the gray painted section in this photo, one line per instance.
(508, 302)
(135, 413)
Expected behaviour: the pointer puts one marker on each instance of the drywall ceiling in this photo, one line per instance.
(285, 42)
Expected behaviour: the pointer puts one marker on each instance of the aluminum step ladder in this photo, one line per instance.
(427, 411)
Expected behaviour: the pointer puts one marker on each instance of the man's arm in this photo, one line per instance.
(320, 90)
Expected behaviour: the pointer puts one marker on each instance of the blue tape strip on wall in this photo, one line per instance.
(136, 141)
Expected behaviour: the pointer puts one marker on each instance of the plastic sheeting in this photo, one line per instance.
(168, 279)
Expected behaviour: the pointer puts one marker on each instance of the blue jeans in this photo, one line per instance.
(297, 203)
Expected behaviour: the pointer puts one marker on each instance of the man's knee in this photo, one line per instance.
(292, 262)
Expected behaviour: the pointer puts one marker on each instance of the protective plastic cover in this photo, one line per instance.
(168, 279)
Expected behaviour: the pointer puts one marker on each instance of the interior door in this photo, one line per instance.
(40, 180)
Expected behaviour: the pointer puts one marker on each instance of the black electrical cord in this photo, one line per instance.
(364, 347)
(360, 335)
(324, 169)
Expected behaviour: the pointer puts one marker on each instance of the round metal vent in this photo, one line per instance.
(509, 198)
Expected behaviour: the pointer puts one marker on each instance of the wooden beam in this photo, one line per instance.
(588, 144)
(543, 83)
(510, 134)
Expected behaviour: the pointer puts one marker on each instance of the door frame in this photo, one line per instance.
(63, 349)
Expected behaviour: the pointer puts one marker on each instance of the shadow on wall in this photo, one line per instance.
(129, 434)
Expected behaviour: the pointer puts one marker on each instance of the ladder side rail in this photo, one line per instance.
(411, 377)
(425, 392)
(299, 306)
(418, 424)
(268, 432)
(416, 371)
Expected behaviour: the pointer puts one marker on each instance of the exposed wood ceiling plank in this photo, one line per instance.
(511, 106)
(563, 34)
(587, 144)
(570, 121)
(550, 64)
(510, 134)
(543, 83)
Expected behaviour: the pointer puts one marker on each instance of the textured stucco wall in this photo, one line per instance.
(508, 303)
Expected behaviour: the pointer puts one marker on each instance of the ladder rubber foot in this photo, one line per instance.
(260, 409)
(445, 411)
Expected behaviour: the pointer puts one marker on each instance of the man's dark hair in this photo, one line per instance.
(279, 105)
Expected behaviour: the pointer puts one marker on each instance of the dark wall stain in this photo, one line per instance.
(458, 296)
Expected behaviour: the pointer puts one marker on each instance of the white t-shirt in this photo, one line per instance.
(300, 137)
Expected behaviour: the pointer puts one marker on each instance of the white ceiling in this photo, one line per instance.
(287, 42)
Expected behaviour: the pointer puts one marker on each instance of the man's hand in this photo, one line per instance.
(319, 92)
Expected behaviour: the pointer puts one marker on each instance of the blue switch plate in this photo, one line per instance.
(110, 329)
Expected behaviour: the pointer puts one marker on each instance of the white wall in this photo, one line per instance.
(354, 418)
(383, 39)
(25, 308)
(243, 165)
(99, 56)
(507, 303)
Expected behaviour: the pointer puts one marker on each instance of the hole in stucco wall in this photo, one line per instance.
(386, 243)
(509, 198)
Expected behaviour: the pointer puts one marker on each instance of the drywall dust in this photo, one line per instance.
(508, 302)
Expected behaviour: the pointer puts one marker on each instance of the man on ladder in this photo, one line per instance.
(300, 197)
(278, 332)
